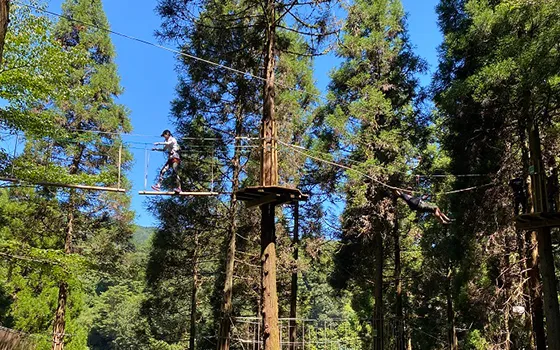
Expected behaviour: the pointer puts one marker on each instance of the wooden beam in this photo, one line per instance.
(57, 184)
(186, 194)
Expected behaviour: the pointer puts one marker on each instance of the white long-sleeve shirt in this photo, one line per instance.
(171, 147)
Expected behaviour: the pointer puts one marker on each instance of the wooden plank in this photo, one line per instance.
(537, 220)
(57, 184)
(186, 194)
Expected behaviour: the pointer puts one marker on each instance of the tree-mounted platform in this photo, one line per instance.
(261, 195)
(537, 220)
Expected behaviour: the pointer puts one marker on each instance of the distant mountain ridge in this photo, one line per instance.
(142, 235)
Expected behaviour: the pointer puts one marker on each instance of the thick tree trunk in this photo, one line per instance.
(547, 269)
(227, 306)
(4, 20)
(451, 331)
(194, 295)
(401, 344)
(537, 311)
(60, 320)
(533, 285)
(294, 291)
(60, 316)
(269, 296)
(378, 280)
(269, 177)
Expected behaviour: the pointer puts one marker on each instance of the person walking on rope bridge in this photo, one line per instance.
(420, 205)
(170, 146)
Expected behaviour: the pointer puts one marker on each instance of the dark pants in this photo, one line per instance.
(417, 204)
(173, 164)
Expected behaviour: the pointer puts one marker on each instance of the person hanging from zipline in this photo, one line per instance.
(170, 146)
(420, 205)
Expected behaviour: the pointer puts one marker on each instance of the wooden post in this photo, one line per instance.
(4, 20)
(227, 305)
(453, 343)
(544, 240)
(269, 177)
(293, 296)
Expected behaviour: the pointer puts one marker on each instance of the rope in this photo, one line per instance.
(373, 178)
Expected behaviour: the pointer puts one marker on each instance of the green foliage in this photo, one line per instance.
(475, 341)
(34, 72)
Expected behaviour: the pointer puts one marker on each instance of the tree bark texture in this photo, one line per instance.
(227, 306)
(530, 251)
(59, 325)
(544, 240)
(269, 296)
(4, 20)
(269, 177)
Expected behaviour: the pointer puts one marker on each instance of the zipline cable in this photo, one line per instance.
(373, 178)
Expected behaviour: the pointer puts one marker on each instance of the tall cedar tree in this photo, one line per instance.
(497, 77)
(37, 82)
(230, 104)
(371, 118)
(97, 225)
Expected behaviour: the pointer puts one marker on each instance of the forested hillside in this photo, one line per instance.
(379, 214)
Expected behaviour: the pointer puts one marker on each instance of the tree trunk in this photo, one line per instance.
(60, 316)
(378, 309)
(547, 269)
(4, 20)
(269, 177)
(194, 295)
(60, 321)
(269, 296)
(451, 331)
(293, 294)
(227, 306)
(401, 344)
(537, 311)
(533, 286)
(507, 341)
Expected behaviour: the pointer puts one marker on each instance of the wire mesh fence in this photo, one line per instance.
(322, 334)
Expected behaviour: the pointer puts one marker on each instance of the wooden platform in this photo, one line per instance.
(537, 220)
(185, 194)
(261, 195)
(63, 185)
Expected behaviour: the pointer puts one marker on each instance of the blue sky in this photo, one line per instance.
(148, 76)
